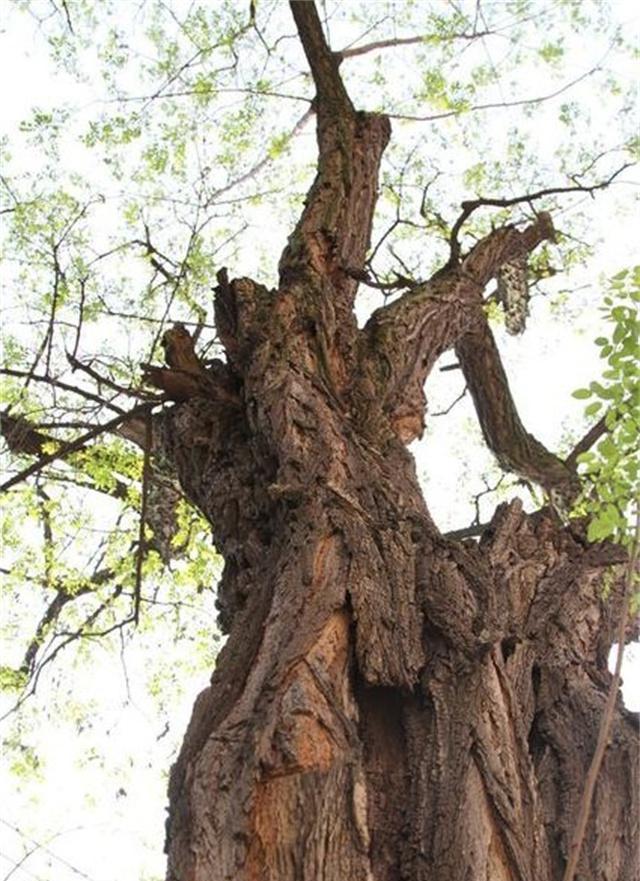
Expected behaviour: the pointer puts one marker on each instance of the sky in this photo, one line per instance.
(116, 837)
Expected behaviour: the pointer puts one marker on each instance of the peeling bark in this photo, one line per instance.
(389, 705)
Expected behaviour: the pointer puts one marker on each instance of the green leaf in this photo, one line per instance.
(593, 408)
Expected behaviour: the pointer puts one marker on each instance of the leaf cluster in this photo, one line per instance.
(611, 470)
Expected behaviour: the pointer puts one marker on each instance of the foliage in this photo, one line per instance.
(611, 470)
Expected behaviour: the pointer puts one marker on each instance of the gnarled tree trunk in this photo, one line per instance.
(389, 704)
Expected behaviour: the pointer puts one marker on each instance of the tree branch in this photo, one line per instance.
(394, 42)
(63, 386)
(402, 341)
(24, 440)
(503, 245)
(69, 637)
(66, 449)
(472, 205)
(52, 613)
(334, 230)
(76, 364)
(332, 96)
(585, 443)
(504, 433)
(496, 105)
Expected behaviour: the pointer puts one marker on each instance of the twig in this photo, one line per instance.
(67, 16)
(76, 343)
(495, 105)
(452, 404)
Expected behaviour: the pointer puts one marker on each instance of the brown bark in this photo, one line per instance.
(504, 433)
(389, 705)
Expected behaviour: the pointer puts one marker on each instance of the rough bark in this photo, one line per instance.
(389, 705)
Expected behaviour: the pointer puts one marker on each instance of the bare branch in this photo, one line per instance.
(504, 433)
(472, 205)
(76, 364)
(267, 159)
(52, 613)
(67, 16)
(455, 401)
(64, 386)
(394, 42)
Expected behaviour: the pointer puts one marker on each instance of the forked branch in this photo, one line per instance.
(403, 340)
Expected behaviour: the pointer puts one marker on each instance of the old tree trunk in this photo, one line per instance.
(390, 704)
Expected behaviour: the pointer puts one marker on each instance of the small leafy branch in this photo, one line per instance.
(611, 471)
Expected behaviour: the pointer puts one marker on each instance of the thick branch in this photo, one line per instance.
(403, 340)
(332, 96)
(503, 245)
(504, 433)
(333, 233)
(186, 376)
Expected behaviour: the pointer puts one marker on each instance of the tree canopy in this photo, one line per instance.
(175, 140)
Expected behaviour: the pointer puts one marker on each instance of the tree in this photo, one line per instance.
(390, 702)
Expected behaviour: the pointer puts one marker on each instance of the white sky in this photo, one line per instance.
(119, 837)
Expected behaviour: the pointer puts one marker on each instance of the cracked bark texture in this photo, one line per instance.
(389, 705)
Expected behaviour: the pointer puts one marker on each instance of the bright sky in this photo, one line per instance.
(108, 824)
